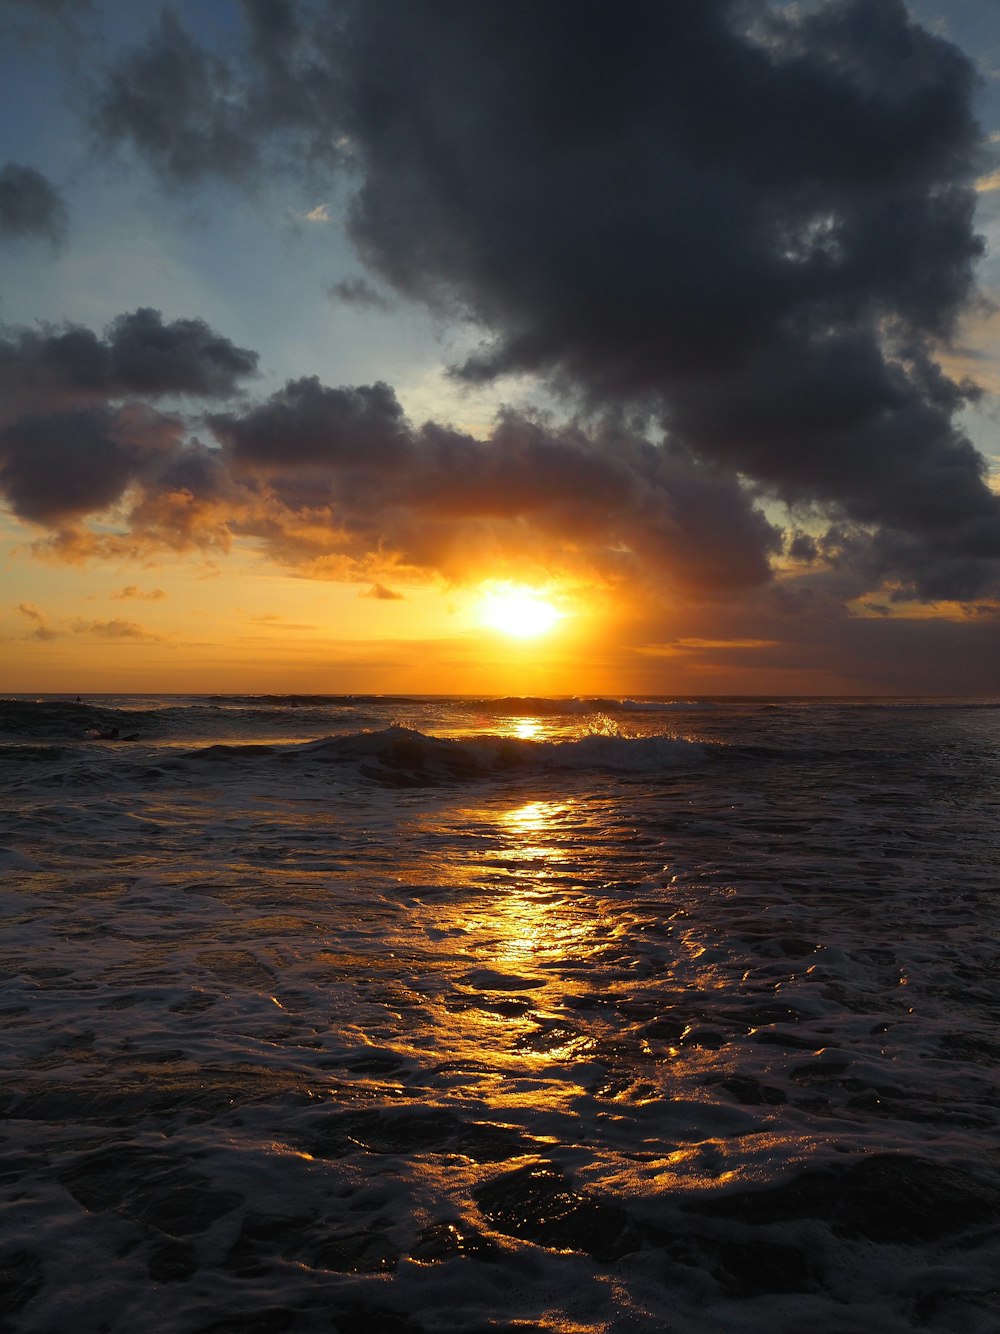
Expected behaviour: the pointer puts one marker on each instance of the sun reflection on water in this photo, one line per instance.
(531, 834)
(534, 816)
(527, 729)
(531, 919)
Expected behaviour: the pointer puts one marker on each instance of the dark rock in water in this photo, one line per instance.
(151, 1188)
(539, 1204)
(20, 1278)
(891, 1198)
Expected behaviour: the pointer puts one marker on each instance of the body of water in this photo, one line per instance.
(410, 1015)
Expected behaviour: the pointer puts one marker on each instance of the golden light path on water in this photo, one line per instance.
(544, 976)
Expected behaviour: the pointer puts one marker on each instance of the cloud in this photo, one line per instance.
(194, 116)
(42, 630)
(30, 206)
(138, 355)
(76, 427)
(768, 272)
(307, 423)
(359, 292)
(133, 591)
(175, 99)
(337, 481)
(115, 629)
(65, 465)
(383, 594)
(184, 357)
(271, 620)
(343, 471)
(748, 224)
(67, 27)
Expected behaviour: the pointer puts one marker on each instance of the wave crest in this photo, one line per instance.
(402, 756)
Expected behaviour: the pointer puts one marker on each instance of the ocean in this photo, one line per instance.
(364, 1014)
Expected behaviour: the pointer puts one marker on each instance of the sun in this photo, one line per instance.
(517, 611)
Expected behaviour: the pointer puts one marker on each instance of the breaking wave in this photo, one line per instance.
(403, 756)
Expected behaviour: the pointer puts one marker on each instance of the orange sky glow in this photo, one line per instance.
(279, 413)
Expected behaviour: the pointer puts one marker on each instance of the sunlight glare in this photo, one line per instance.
(520, 612)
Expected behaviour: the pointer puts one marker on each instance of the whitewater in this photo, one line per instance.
(356, 1013)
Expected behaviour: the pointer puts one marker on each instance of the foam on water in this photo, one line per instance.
(431, 1027)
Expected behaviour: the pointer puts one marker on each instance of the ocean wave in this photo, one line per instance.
(66, 720)
(79, 720)
(403, 756)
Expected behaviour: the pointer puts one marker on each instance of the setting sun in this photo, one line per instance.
(520, 612)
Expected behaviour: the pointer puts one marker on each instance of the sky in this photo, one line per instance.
(513, 347)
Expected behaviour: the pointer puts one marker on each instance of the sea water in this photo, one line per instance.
(393, 1014)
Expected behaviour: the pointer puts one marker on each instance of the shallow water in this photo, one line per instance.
(463, 1015)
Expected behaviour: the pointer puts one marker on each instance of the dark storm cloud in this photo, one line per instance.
(65, 465)
(30, 206)
(27, 21)
(138, 354)
(752, 221)
(184, 357)
(62, 465)
(76, 430)
(175, 102)
(757, 224)
(194, 115)
(438, 498)
(308, 423)
(338, 479)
